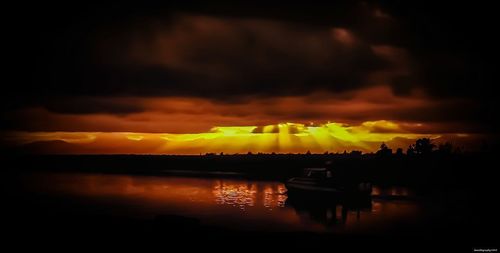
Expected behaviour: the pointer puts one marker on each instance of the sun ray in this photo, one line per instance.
(283, 138)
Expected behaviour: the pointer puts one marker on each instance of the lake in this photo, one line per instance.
(236, 204)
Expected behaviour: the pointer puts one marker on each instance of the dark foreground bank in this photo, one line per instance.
(461, 188)
(56, 222)
(434, 169)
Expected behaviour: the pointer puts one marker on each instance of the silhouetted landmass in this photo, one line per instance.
(429, 170)
(462, 184)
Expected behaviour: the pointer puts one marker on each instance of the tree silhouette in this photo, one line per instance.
(424, 146)
(384, 150)
(411, 150)
(445, 148)
(399, 152)
(383, 146)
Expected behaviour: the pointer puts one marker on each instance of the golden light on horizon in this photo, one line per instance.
(279, 138)
(135, 137)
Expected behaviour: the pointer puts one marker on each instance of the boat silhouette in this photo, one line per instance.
(324, 183)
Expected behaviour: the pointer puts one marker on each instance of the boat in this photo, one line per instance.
(323, 182)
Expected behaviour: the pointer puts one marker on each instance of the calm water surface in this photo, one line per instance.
(232, 203)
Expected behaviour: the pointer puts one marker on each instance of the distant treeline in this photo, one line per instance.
(426, 166)
(423, 146)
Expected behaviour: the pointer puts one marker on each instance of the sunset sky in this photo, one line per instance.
(192, 78)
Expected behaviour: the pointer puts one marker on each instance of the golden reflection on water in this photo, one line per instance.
(226, 192)
(246, 203)
(240, 195)
(275, 196)
(244, 195)
(391, 191)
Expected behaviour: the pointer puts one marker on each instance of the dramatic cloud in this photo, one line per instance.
(222, 57)
(186, 68)
(283, 138)
(417, 113)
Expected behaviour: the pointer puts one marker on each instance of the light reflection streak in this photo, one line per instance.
(221, 201)
(244, 195)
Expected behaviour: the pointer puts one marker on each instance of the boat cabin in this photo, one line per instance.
(318, 173)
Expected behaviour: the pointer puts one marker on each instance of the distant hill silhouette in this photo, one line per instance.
(48, 147)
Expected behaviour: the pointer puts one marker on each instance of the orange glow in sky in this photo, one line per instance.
(279, 138)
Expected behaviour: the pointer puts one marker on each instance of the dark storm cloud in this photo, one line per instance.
(453, 44)
(85, 105)
(58, 46)
(225, 51)
(232, 52)
(221, 57)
